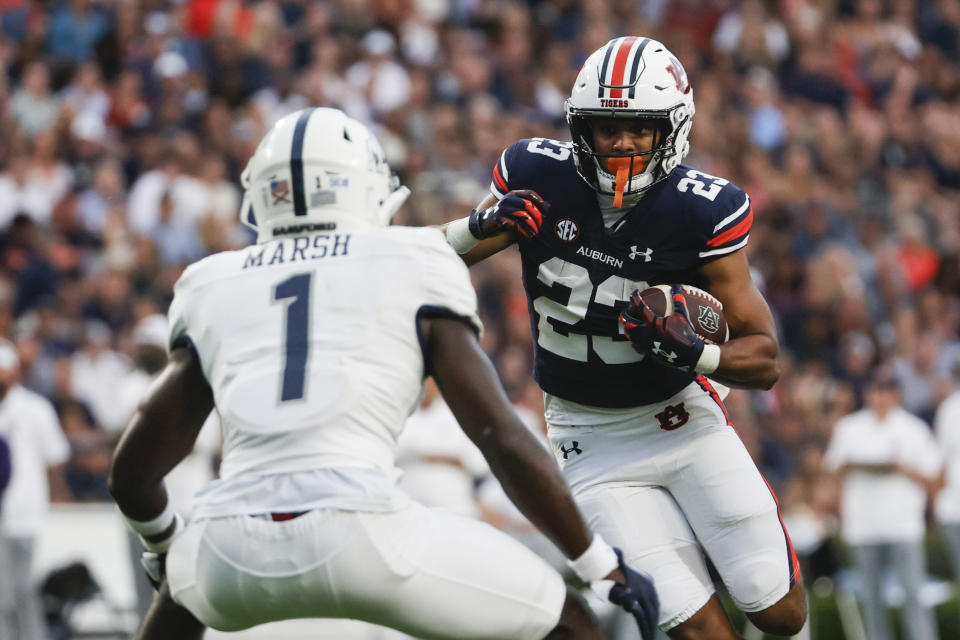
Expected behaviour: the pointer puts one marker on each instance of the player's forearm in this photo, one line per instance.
(140, 502)
(139, 493)
(531, 480)
(749, 362)
(471, 250)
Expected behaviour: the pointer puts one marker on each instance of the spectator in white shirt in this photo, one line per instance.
(383, 81)
(96, 371)
(38, 450)
(441, 466)
(946, 425)
(890, 464)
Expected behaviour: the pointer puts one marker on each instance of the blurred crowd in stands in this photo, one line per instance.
(124, 127)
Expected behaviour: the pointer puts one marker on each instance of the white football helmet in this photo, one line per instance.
(315, 170)
(631, 77)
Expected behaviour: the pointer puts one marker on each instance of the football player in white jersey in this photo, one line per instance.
(313, 345)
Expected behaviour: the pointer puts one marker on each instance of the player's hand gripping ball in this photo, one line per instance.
(518, 212)
(673, 323)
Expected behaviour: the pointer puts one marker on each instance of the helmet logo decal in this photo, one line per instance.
(679, 75)
(626, 53)
(614, 104)
(296, 162)
(280, 191)
(321, 196)
(567, 230)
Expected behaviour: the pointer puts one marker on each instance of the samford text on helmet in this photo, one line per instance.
(631, 77)
(318, 170)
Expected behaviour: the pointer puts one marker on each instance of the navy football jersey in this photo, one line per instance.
(578, 275)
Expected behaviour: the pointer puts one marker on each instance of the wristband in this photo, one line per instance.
(709, 359)
(162, 545)
(596, 562)
(459, 236)
(155, 526)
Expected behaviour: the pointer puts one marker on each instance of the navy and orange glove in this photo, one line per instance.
(519, 212)
(671, 339)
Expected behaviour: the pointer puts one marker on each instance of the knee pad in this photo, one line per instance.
(759, 583)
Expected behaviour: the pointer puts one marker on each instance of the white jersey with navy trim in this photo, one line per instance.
(311, 346)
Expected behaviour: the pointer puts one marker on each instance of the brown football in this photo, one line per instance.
(706, 312)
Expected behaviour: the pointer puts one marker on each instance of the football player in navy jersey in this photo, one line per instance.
(633, 401)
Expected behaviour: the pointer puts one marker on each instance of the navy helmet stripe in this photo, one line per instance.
(606, 60)
(296, 163)
(636, 65)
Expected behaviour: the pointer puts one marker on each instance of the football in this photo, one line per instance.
(706, 312)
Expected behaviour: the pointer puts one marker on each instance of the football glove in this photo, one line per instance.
(637, 597)
(671, 339)
(155, 565)
(518, 212)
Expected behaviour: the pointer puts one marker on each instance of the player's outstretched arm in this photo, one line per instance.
(523, 466)
(750, 359)
(495, 224)
(160, 434)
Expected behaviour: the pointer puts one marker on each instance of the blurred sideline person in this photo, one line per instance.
(640, 432)
(38, 451)
(313, 345)
(193, 472)
(5, 468)
(441, 466)
(889, 462)
(946, 425)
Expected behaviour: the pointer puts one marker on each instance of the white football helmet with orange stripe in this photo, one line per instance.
(631, 77)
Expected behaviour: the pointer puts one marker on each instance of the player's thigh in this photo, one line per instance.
(237, 572)
(428, 575)
(736, 518)
(453, 577)
(647, 524)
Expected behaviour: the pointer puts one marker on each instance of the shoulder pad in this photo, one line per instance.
(718, 209)
(521, 163)
(212, 266)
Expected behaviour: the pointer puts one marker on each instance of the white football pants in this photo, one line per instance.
(428, 574)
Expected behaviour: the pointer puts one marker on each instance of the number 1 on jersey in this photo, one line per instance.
(296, 345)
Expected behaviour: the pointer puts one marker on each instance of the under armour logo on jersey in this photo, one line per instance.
(574, 449)
(668, 356)
(646, 253)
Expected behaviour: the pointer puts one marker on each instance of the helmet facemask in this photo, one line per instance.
(620, 173)
(638, 79)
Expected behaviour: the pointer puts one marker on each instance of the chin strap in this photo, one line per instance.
(392, 204)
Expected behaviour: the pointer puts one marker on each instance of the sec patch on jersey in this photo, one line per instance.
(706, 312)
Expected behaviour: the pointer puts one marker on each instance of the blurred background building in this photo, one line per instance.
(124, 126)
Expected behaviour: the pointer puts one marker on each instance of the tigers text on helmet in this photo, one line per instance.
(318, 169)
(631, 77)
